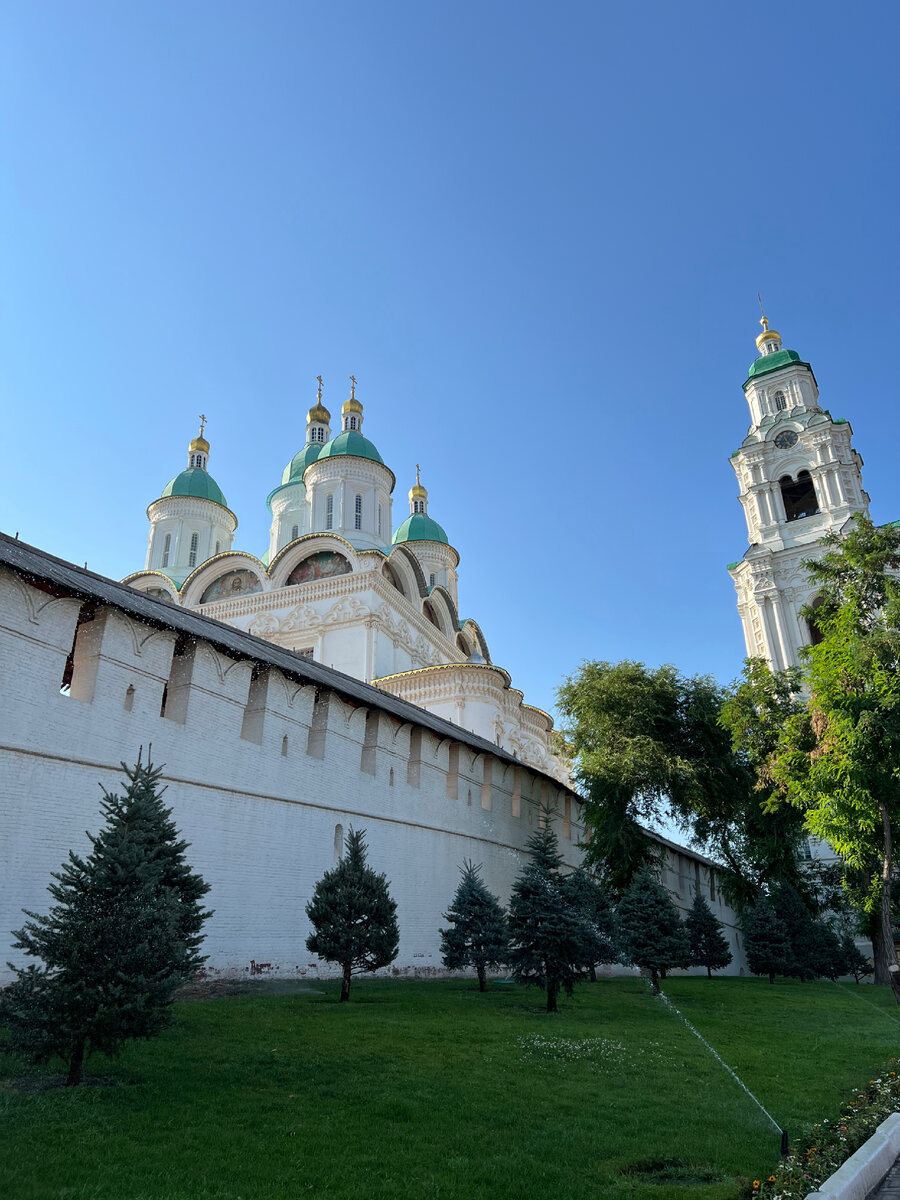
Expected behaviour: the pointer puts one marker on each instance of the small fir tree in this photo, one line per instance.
(709, 946)
(855, 962)
(353, 915)
(766, 942)
(653, 935)
(800, 926)
(546, 934)
(123, 934)
(478, 936)
(588, 897)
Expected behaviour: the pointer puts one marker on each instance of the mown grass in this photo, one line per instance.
(433, 1090)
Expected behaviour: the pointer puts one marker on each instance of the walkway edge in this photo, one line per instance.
(864, 1170)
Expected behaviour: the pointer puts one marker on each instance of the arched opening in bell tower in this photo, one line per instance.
(799, 496)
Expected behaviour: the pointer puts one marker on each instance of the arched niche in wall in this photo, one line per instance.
(158, 592)
(394, 578)
(799, 496)
(323, 565)
(231, 584)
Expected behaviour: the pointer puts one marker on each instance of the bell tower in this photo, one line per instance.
(799, 479)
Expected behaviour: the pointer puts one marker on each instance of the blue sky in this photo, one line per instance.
(534, 233)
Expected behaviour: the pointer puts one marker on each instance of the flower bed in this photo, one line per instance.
(826, 1146)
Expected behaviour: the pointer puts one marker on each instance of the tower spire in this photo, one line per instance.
(318, 419)
(418, 495)
(198, 450)
(769, 341)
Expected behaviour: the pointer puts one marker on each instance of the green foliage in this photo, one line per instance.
(652, 933)
(814, 946)
(353, 915)
(589, 899)
(766, 942)
(478, 936)
(855, 962)
(709, 946)
(123, 933)
(547, 936)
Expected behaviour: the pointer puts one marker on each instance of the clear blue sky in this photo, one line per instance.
(534, 232)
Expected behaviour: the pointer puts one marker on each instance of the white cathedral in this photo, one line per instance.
(340, 584)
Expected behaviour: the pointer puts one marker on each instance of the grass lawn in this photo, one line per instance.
(433, 1090)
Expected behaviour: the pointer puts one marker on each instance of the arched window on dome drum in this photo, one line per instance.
(800, 497)
(295, 532)
(431, 579)
(780, 402)
(353, 423)
(357, 513)
(329, 513)
(167, 546)
(192, 555)
(380, 519)
(418, 506)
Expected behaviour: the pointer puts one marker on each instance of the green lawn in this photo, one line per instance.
(433, 1090)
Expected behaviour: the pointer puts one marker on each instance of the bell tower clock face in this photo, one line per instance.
(785, 440)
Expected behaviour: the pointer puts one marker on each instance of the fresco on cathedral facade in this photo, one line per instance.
(323, 565)
(234, 583)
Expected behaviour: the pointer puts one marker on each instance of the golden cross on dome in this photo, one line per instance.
(417, 474)
(765, 320)
(352, 387)
(319, 392)
(202, 423)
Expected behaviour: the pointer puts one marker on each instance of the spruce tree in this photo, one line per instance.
(766, 942)
(855, 962)
(353, 915)
(588, 897)
(652, 933)
(123, 934)
(546, 934)
(709, 946)
(478, 936)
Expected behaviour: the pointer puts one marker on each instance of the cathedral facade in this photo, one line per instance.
(342, 584)
(800, 479)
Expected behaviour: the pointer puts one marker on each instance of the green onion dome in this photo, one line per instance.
(352, 444)
(420, 528)
(195, 482)
(293, 472)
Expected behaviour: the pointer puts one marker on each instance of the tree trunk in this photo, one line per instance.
(879, 955)
(76, 1065)
(654, 980)
(345, 983)
(593, 974)
(552, 990)
(709, 972)
(772, 978)
(887, 932)
(482, 980)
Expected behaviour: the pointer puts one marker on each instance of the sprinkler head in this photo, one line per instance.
(784, 1142)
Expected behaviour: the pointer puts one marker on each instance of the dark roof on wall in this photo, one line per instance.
(67, 579)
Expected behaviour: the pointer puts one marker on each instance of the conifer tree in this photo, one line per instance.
(766, 942)
(709, 946)
(546, 934)
(478, 936)
(652, 933)
(353, 915)
(855, 963)
(123, 934)
(588, 897)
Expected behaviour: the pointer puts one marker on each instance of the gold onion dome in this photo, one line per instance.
(417, 492)
(318, 413)
(200, 443)
(352, 405)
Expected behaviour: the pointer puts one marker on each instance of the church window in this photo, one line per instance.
(380, 518)
(338, 842)
(295, 532)
(167, 545)
(357, 514)
(129, 697)
(780, 402)
(352, 423)
(192, 555)
(284, 746)
(815, 629)
(329, 513)
(418, 506)
(218, 546)
(431, 579)
(799, 497)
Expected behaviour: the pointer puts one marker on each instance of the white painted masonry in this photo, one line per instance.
(269, 758)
